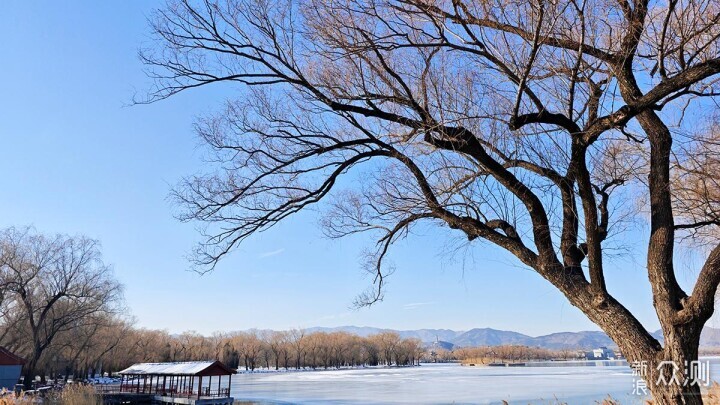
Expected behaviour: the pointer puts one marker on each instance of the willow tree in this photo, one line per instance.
(528, 125)
(51, 286)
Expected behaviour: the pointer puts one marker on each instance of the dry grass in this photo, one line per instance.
(607, 401)
(712, 396)
(9, 398)
(484, 361)
(85, 395)
(76, 395)
(476, 361)
(71, 395)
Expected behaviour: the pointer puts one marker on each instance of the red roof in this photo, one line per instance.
(7, 358)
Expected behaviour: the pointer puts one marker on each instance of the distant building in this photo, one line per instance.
(438, 348)
(601, 353)
(10, 369)
(441, 345)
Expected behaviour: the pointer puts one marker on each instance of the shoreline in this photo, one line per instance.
(550, 363)
(310, 369)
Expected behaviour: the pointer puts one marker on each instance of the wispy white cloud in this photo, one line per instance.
(324, 319)
(341, 315)
(416, 305)
(271, 253)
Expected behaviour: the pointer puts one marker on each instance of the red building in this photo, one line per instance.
(10, 368)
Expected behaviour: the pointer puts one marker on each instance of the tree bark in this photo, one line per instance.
(29, 375)
(681, 348)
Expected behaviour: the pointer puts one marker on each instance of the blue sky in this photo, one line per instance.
(76, 158)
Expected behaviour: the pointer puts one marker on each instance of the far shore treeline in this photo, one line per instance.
(62, 310)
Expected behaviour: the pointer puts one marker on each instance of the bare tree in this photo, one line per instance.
(297, 340)
(387, 344)
(520, 123)
(83, 350)
(249, 348)
(278, 344)
(53, 285)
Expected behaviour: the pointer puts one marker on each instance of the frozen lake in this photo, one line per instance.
(441, 384)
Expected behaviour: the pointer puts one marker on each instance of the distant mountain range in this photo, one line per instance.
(492, 337)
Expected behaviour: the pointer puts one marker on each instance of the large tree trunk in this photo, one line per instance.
(29, 374)
(676, 394)
(681, 348)
(666, 372)
(681, 342)
(31, 367)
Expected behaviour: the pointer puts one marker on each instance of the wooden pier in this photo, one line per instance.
(142, 399)
(187, 383)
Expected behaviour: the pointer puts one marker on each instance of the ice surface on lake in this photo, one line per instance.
(440, 384)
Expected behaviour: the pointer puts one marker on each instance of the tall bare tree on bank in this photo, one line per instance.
(51, 285)
(519, 123)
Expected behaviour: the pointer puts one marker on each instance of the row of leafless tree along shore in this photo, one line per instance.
(62, 310)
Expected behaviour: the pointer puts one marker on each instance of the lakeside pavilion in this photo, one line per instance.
(192, 382)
